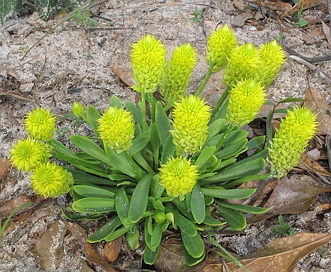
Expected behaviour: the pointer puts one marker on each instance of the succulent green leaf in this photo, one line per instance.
(244, 208)
(92, 115)
(205, 155)
(122, 206)
(220, 192)
(168, 149)
(162, 122)
(234, 218)
(150, 256)
(132, 238)
(92, 191)
(194, 245)
(92, 205)
(198, 205)
(105, 230)
(139, 199)
(131, 107)
(115, 102)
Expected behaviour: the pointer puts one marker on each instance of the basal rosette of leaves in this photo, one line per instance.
(176, 167)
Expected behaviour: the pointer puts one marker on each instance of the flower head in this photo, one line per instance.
(27, 154)
(246, 99)
(148, 57)
(243, 63)
(116, 128)
(77, 109)
(272, 57)
(190, 124)
(177, 73)
(51, 180)
(40, 124)
(219, 46)
(178, 176)
(290, 141)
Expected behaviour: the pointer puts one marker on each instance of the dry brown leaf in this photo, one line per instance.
(77, 231)
(112, 249)
(303, 4)
(95, 257)
(309, 164)
(49, 248)
(280, 7)
(124, 73)
(291, 196)
(7, 208)
(5, 166)
(315, 102)
(327, 32)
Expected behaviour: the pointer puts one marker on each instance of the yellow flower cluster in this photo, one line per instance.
(116, 128)
(245, 101)
(290, 141)
(148, 59)
(190, 124)
(178, 176)
(177, 73)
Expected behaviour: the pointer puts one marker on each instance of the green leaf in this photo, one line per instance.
(92, 116)
(205, 154)
(220, 192)
(88, 146)
(140, 142)
(118, 233)
(236, 171)
(256, 142)
(210, 221)
(232, 150)
(139, 199)
(156, 189)
(185, 225)
(150, 256)
(155, 143)
(131, 107)
(291, 100)
(92, 205)
(82, 177)
(194, 245)
(122, 206)
(73, 216)
(115, 102)
(215, 127)
(162, 122)
(168, 149)
(234, 218)
(92, 191)
(105, 230)
(244, 208)
(156, 236)
(190, 261)
(132, 238)
(198, 206)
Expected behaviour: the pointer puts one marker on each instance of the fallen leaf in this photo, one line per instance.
(5, 166)
(77, 231)
(49, 248)
(309, 164)
(240, 19)
(291, 196)
(112, 249)
(315, 102)
(124, 73)
(302, 5)
(95, 257)
(7, 208)
(327, 32)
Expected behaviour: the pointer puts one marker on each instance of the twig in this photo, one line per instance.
(309, 59)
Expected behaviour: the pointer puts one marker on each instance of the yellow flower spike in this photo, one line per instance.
(27, 154)
(148, 57)
(245, 101)
(77, 109)
(272, 57)
(290, 141)
(219, 46)
(178, 176)
(243, 63)
(116, 128)
(51, 180)
(177, 73)
(40, 124)
(190, 124)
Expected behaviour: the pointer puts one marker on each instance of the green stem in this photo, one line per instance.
(205, 80)
(220, 102)
(151, 102)
(227, 253)
(142, 104)
(225, 135)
